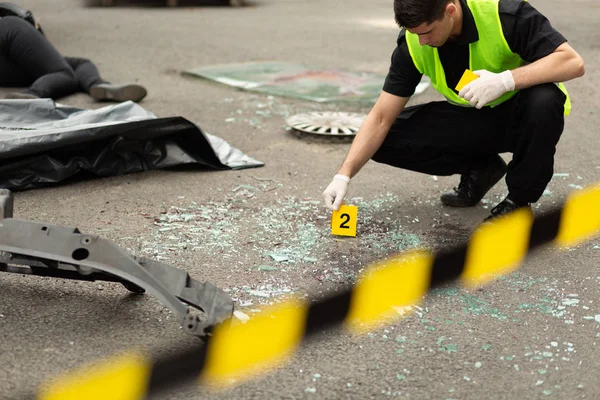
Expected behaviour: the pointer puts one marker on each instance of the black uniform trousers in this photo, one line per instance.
(439, 138)
(28, 59)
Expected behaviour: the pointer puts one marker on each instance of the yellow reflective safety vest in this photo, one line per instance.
(491, 52)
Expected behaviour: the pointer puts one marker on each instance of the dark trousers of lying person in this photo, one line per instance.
(28, 59)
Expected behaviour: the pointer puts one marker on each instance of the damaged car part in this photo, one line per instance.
(34, 248)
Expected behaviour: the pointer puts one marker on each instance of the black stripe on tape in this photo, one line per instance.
(448, 266)
(545, 228)
(328, 313)
(184, 366)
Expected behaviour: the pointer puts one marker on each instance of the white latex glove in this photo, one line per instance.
(487, 88)
(335, 192)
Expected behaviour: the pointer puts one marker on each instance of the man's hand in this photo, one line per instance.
(487, 88)
(335, 192)
(368, 139)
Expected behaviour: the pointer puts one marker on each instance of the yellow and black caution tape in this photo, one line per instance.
(237, 352)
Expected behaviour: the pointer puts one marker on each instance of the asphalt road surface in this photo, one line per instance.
(534, 334)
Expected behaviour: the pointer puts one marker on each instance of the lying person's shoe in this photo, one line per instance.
(21, 95)
(114, 92)
(475, 184)
(504, 207)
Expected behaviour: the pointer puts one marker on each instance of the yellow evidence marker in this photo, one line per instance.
(343, 221)
(467, 78)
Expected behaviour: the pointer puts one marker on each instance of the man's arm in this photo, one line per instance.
(561, 65)
(368, 139)
(373, 131)
(530, 35)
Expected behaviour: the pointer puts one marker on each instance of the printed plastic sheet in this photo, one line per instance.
(299, 81)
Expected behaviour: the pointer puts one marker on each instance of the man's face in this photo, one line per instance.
(435, 34)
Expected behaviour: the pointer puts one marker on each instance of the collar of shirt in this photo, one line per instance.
(469, 32)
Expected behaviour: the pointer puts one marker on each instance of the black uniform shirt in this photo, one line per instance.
(528, 34)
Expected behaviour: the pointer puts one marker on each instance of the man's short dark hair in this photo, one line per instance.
(412, 13)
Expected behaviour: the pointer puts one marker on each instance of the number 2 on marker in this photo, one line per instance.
(343, 221)
(346, 218)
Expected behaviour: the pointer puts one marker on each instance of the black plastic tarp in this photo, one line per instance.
(43, 143)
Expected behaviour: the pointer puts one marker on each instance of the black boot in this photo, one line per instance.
(475, 184)
(504, 207)
(114, 92)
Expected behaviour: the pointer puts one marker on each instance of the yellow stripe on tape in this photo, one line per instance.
(497, 247)
(399, 281)
(580, 217)
(122, 378)
(261, 343)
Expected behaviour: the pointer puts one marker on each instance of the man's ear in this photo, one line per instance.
(451, 8)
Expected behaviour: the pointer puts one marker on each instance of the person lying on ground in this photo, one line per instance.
(28, 59)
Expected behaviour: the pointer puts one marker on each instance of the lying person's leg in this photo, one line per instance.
(12, 75)
(89, 81)
(40, 64)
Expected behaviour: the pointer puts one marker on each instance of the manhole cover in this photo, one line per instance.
(328, 123)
